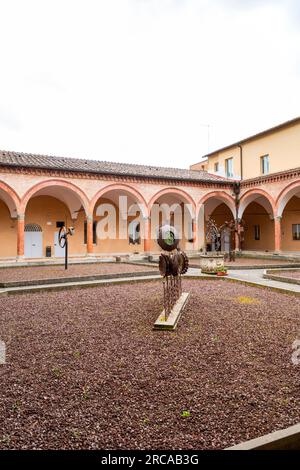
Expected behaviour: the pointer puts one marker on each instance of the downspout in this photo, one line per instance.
(241, 160)
(237, 190)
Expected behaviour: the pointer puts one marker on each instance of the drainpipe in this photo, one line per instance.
(237, 190)
(241, 160)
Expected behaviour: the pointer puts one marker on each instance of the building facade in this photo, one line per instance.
(255, 184)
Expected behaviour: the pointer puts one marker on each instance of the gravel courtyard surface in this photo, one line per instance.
(74, 270)
(85, 369)
(292, 274)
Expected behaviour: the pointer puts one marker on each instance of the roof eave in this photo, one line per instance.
(108, 173)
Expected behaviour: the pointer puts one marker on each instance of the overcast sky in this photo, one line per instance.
(138, 80)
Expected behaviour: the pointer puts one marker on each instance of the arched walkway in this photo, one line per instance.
(256, 210)
(218, 206)
(288, 218)
(72, 196)
(115, 209)
(259, 196)
(10, 198)
(9, 206)
(176, 207)
(51, 204)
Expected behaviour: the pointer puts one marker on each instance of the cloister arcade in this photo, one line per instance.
(266, 219)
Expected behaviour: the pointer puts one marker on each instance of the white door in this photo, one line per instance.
(226, 240)
(33, 245)
(58, 251)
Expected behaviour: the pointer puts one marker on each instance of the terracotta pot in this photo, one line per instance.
(219, 273)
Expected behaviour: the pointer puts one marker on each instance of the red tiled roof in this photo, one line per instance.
(28, 160)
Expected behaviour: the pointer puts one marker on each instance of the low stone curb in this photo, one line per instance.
(257, 266)
(74, 285)
(171, 322)
(289, 280)
(64, 280)
(285, 439)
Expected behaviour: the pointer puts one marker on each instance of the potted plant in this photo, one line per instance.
(222, 271)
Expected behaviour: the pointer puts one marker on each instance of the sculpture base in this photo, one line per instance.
(173, 318)
(211, 262)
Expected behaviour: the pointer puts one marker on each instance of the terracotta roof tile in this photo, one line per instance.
(28, 160)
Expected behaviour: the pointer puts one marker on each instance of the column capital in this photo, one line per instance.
(278, 218)
(21, 216)
(89, 218)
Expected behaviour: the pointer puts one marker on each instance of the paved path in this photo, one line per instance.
(253, 276)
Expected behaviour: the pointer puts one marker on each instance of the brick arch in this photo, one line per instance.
(222, 196)
(178, 192)
(248, 195)
(285, 195)
(55, 183)
(10, 198)
(120, 187)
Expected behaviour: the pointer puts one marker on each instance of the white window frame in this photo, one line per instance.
(229, 167)
(265, 164)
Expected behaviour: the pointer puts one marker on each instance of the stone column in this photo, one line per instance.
(195, 234)
(147, 234)
(89, 235)
(237, 236)
(277, 230)
(20, 236)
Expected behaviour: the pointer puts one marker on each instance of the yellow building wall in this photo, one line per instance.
(282, 146)
(8, 233)
(290, 216)
(201, 166)
(255, 214)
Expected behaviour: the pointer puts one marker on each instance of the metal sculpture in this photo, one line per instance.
(213, 234)
(172, 265)
(63, 240)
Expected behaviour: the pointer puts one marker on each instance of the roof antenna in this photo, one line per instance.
(208, 135)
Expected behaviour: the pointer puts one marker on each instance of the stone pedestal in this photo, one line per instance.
(211, 262)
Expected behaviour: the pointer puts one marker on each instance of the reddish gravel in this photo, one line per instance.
(86, 370)
(291, 274)
(76, 270)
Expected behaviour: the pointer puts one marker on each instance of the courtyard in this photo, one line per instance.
(85, 370)
(35, 273)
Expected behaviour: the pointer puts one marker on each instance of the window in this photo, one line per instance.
(190, 232)
(256, 232)
(216, 167)
(94, 232)
(60, 224)
(296, 231)
(134, 232)
(264, 165)
(229, 167)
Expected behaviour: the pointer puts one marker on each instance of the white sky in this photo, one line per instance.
(135, 80)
